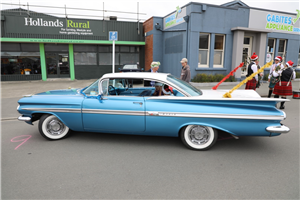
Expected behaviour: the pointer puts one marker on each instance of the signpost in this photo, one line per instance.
(113, 36)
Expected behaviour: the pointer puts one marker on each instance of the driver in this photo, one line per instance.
(158, 90)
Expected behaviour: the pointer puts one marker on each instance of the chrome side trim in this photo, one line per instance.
(68, 110)
(216, 115)
(113, 112)
(278, 129)
(26, 119)
(162, 114)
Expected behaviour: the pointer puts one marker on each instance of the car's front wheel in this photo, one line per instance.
(198, 137)
(52, 128)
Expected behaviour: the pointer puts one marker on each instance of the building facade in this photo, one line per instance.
(36, 46)
(216, 39)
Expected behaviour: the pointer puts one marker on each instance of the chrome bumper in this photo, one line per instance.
(278, 129)
(26, 119)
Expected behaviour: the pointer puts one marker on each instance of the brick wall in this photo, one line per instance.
(148, 26)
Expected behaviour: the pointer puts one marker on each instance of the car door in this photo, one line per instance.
(114, 113)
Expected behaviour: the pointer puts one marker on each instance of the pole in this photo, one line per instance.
(113, 57)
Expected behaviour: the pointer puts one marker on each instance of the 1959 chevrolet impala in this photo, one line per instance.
(115, 104)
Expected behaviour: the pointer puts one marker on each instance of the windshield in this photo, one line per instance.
(92, 89)
(191, 90)
(130, 67)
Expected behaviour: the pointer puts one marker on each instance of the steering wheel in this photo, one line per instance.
(112, 90)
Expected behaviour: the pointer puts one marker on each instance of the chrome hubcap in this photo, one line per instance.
(55, 127)
(199, 135)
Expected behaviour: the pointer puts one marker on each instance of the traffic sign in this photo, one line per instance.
(113, 35)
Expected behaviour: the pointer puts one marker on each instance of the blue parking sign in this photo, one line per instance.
(113, 35)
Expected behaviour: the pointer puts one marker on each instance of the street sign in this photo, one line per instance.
(113, 35)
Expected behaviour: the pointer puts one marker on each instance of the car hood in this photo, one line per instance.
(61, 92)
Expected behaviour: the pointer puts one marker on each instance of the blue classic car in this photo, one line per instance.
(115, 104)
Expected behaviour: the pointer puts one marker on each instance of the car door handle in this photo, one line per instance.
(141, 103)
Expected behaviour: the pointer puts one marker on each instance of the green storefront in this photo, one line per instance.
(41, 47)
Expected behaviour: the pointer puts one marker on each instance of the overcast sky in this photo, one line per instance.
(149, 8)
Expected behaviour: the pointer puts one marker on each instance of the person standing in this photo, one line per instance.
(271, 79)
(252, 68)
(283, 87)
(185, 71)
(154, 69)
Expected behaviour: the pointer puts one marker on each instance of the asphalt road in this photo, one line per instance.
(104, 166)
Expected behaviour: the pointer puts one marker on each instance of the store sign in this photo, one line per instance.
(276, 22)
(175, 18)
(67, 27)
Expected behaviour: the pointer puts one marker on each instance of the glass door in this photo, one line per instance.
(57, 65)
(246, 55)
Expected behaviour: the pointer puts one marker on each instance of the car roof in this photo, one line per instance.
(143, 75)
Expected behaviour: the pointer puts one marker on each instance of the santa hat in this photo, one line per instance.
(289, 63)
(254, 56)
(278, 58)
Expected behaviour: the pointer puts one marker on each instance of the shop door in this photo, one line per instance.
(57, 65)
(246, 54)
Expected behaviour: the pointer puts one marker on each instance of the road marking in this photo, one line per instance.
(24, 140)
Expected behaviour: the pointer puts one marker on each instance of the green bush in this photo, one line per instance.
(202, 78)
(265, 78)
(297, 74)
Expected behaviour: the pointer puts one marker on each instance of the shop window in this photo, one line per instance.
(20, 59)
(106, 58)
(117, 48)
(219, 51)
(281, 49)
(124, 49)
(85, 58)
(20, 63)
(204, 42)
(85, 54)
(129, 58)
(104, 49)
(174, 47)
(8, 46)
(85, 48)
(270, 50)
(57, 47)
(30, 47)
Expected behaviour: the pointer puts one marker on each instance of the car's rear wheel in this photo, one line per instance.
(52, 128)
(198, 137)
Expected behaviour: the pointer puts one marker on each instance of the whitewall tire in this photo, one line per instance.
(52, 128)
(198, 137)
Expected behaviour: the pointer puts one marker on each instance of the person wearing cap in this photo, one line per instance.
(158, 90)
(185, 71)
(154, 69)
(283, 87)
(271, 79)
(252, 68)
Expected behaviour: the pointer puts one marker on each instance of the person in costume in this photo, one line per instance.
(283, 87)
(271, 79)
(252, 68)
